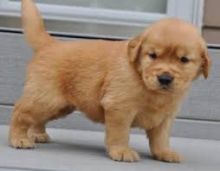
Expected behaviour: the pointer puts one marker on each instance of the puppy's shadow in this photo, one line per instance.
(82, 147)
(78, 147)
(148, 156)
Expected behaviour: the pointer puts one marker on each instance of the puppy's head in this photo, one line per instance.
(169, 55)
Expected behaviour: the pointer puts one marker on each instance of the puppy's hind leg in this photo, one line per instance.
(21, 121)
(29, 119)
(38, 133)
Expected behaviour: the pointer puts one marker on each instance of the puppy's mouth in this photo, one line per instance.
(166, 89)
(161, 89)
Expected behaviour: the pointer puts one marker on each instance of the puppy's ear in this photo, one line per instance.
(206, 63)
(134, 48)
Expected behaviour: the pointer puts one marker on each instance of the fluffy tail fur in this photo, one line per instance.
(33, 25)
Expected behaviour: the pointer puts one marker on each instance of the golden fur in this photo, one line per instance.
(112, 82)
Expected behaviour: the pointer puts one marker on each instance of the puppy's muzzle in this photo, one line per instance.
(165, 80)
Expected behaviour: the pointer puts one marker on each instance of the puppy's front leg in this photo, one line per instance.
(118, 124)
(159, 142)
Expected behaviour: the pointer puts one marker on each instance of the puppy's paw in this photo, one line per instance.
(168, 156)
(123, 154)
(22, 143)
(40, 137)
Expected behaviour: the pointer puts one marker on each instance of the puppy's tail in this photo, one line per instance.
(33, 26)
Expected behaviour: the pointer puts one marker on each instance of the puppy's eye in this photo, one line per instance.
(184, 59)
(152, 55)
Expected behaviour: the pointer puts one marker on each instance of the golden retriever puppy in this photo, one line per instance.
(123, 84)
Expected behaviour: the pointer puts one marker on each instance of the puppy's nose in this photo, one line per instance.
(165, 79)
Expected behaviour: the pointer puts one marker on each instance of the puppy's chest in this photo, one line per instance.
(152, 114)
(148, 120)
